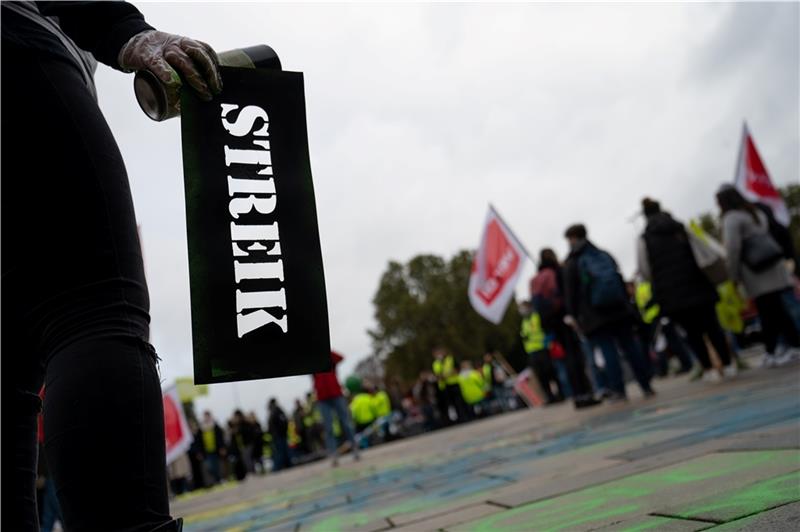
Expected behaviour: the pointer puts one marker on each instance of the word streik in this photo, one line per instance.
(255, 238)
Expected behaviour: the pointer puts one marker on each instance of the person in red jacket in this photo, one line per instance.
(329, 400)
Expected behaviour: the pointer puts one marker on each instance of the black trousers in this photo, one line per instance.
(75, 310)
(699, 321)
(576, 370)
(542, 366)
(776, 321)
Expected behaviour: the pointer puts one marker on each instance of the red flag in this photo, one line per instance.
(753, 181)
(176, 430)
(495, 269)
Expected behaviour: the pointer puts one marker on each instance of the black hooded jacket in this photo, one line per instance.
(678, 283)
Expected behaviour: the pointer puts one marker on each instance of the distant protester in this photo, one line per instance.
(278, 428)
(331, 401)
(756, 260)
(547, 298)
(680, 288)
(597, 303)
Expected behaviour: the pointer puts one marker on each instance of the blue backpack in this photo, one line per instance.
(600, 279)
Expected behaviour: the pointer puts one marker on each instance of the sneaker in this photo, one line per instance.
(730, 371)
(616, 397)
(697, 374)
(586, 402)
(712, 376)
(793, 352)
(783, 359)
(767, 361)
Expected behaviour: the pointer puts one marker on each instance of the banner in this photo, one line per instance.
(257, 286)
(495, 269)
(753, 181)
(177, 435)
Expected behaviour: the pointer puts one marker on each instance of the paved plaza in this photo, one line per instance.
(696, 457)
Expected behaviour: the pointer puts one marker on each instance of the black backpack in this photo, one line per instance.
(600, 279)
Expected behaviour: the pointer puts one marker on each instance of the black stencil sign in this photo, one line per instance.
(259, 308)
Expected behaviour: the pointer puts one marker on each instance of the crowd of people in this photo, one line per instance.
(685, 303)
(680, 314)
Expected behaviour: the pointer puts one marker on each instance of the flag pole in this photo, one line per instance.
(528, 253)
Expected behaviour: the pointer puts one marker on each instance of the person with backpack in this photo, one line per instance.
(597, 304)
(755, 259)
(546, 291)
(680, 288)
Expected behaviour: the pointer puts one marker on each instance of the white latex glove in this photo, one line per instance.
(172, 57)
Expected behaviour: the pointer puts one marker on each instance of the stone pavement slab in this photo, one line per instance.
(655, 522)
(637, 495)
(730, 504)
(452, 517)
(782, 519)
(611, 466)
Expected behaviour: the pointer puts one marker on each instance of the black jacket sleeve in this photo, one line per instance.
(101, 28)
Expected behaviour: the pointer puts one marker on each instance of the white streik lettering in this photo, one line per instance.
(256, 247)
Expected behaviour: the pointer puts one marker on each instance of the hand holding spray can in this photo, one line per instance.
(159, 104)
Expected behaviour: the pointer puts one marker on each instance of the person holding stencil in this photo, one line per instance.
(75, 307)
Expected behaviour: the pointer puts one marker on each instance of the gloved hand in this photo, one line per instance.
(167, 55)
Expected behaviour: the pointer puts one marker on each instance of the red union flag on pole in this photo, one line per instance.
(495, 269)
(177, 435)
(753, 181)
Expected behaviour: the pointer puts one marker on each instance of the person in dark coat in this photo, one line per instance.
(278, 428)
(82, 326)
(680, 288)
(258, 443)
(597, 304)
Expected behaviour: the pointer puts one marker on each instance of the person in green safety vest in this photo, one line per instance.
(361, 406)
(381, 404)
(470, 381)
(654, 326)
(534, 341)
(444, 368)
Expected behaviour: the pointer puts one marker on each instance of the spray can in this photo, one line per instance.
(159, 106)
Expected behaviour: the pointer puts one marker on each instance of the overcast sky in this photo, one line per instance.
(420, 115)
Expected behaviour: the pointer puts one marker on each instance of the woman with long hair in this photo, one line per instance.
(756, 260)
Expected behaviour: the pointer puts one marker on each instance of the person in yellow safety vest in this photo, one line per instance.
(294, 437)
(444, 368)
(470, 381)
(648, 308)
(533, 337)
(730, 307)
(487, 372)
(361, 408)
(381, 404)
(534, 341)
(650, 312)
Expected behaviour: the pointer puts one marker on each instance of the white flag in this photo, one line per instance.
(495, 269)
(753, 181)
